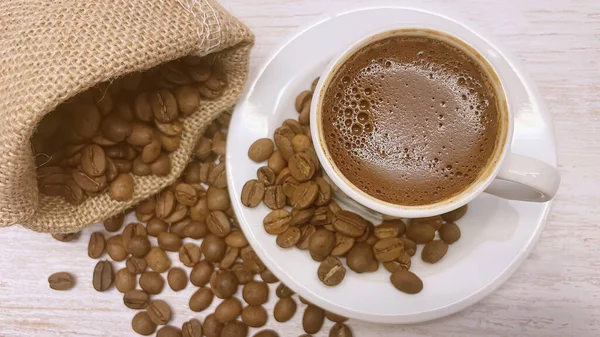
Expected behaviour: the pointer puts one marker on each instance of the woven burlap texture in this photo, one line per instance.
(51, 50)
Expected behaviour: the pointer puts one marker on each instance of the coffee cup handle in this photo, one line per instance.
(526, 179)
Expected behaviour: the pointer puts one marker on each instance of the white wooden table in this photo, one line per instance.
(555, 293)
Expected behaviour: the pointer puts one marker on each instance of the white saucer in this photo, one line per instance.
(497, 235)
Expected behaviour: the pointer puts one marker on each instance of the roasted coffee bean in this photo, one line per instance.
(266, 333)
(141, 135)
(343, 244)
(226, 284)
(212, 327)
(420, 232)
(236, 239)
(156, 226)
(96, 245)
(277, 222)
(61, 281)
(434, 251)
(168, 331)
(121, 188)
(162, 165)
(144, 217)
(305, 233)
(171, 129)
(388, 249)
(253, 193)
(335, 317)
(410, 246)
(302, 167)
(191, 175)
(274, 197)
(267, 276)
(217, 176)
(186, 194)
(195, 230)
(200, 210)
(251, 261)
(456, 214)
(89, 183)
(403, 262)
(304, 195)
(139, 168)
(360, 257)
(142, 324)
(158, 260)
(159, 312)
(289, 238)
(151, 152)
(219, 144)
(93, 160)
(406, 281)
(164, 106)
(321, 244)
(350, 224)
(390, 229)
(284, 145)
(213, 247)
(331, 271)
(313, 319)
(152, 282)
(177, 279)
(111, 170)
(125, 281)
(201, 300)
(449, 232)
(302, 216)
(141, 107)
(132, 230)
(165, 204)
(434, 221)
(301, 142)
(200, 274)
(203, 148)
(136, 299)
(254, 316)
(104, 276)
(255, 293)
(191, 328)
(189, 254)
(283, 291)
(217, 199)
(266, 176)
(340, 330)
(180, 212)
(188, 99)
(234, 329)
(325, 193)
(86, 120)
(276, 162)
(229, 309)
(242, 273)
(169, 241)
(231, 255)
(138, 246)
(136, 265)
(218, 223)
(284, 309)
(303, 99)
(115, 248)
(115, 128)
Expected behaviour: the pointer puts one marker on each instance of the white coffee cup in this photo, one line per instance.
(529, 179)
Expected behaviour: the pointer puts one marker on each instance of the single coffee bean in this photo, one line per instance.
(158, 260)
(389, 249)
(200, 274)
(340, 330)
(343, 244)
(104, 276)
(141, 107)
(142, 324)
(251, 261)
(169, 241)
(242, 273)
(267, 276)
(226, 284)
(218, 223)
(266, 333)
(125, 281)
(121, 188)
(200, 210)
(165, 204)
(217, 199)
(189, 254)
(274, 197)
(115, 128)
(360, 257)
(229, 309)
(96, 245)
(236, 239)
(331, 271)
(152, 282)
(313, 319)
(284, 309)
(390, 229)
(261, 150)
(162, 165)
(277, 222)
(323, 217)
(231, 255)
(180, 212)
(191, 328)
(302, 216)
(289, 238)
(136, 299)
(203, 149)
(168, 331)
(456, 214)
(139, 168)
(410, 247)
(133, 229)
(159, 312)
(116, 249)
(218, 176)
(420, 232)
(234, 329)
(255, 293)
(151, 152)
(111, 170)
(93, 160)
(156, 226)
(321, 244)
(303, 99)
(283, 291)
(138, 246)
(141, 134)
(301, 142)
(434, 221)
(305, 233)
(302, 167)
(213, 247)
(201, 300)
(449, 232)
(186, 194)
(212, 327)
(177, 279)
(136, 265)
(403, 263)
(254, 316)
(188, 99)
(434, 251)
(350, 224)
(61, 281)
(276, 162)
(335, 317)
(284, 145)
(406, 281)
(253, 193)
(325, 193)
(195, 230)
(304, 195)
(164, 106)
(266, 176)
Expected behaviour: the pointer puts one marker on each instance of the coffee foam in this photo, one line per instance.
(410, 120)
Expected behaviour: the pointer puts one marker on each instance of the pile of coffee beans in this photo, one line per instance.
(99, 138)
(303, 214)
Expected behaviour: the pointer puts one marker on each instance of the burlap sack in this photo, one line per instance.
(51, 50)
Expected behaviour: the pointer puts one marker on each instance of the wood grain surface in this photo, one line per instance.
(556, 292)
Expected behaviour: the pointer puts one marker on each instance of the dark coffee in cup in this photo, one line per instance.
(411, 120)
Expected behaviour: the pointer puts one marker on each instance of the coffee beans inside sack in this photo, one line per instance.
(304, 215)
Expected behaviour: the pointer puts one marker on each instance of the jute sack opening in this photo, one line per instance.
(52, 50)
